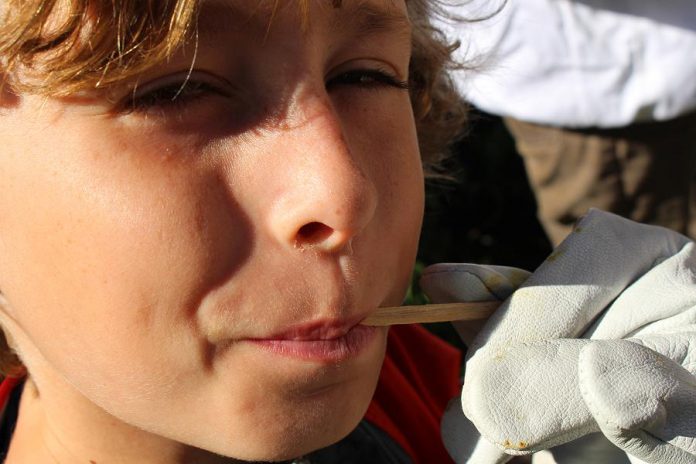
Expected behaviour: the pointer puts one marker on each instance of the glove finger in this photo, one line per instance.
(678, 345)
(662, 299)
(451, 282)
(604, 255)
(525, 397)
(642, 400)
(463, 442)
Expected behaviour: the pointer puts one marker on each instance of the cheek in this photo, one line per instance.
(103, 252)
(386, 133)
(397, 170)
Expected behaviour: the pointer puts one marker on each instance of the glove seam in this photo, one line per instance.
(587, 397)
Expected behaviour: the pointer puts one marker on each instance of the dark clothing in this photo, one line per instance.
(645, 172)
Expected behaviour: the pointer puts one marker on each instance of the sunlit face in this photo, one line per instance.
(197, 267)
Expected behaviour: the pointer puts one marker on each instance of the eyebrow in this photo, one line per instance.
(366, 19)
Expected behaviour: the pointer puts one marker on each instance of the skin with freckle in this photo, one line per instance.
(150, 248)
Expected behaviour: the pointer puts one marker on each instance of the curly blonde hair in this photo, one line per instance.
(59, 47)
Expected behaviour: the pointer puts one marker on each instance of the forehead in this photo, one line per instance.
(363, 17)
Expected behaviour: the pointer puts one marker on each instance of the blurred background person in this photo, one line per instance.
(599, 97)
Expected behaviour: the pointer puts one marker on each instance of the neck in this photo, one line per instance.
(66, 428)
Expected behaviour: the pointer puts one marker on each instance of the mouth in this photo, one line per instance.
(320, 341)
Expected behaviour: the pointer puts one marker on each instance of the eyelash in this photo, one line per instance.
(368, 78)
(191, 90)
(173, 95)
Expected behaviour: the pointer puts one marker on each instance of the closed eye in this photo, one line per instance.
(366, 78)
(174, 91)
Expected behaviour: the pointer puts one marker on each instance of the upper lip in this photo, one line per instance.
(320, 329)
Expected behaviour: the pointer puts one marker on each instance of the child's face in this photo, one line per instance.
(161, 260)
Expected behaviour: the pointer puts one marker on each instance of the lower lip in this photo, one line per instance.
(328, 351)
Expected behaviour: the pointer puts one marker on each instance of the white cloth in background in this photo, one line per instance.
(574, 64)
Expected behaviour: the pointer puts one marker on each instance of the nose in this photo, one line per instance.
(327, 198)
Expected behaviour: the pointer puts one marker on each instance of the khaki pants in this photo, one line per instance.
(644, 172)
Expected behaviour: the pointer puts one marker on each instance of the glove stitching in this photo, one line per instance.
(588, 401)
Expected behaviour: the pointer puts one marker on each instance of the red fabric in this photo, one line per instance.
(419, 377)
(6, 387)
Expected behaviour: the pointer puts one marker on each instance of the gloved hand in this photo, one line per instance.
(602, 337)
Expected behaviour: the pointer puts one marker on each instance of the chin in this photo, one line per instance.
(294, 421)
(295, 434)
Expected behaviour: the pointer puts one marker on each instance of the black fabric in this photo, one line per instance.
(9, 419)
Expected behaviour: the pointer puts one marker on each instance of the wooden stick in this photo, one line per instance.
(432, 313)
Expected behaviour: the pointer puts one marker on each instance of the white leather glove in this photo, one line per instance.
(602, 337)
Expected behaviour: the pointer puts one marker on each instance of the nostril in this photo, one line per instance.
(313, 233)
